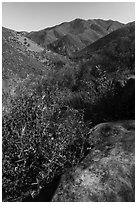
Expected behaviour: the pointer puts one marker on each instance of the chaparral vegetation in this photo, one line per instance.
(55, 93)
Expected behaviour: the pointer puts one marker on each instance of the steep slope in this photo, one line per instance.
(25, 64)
(20, 70)
(114, 37)
(114, 52)
(82, 32)
(16, 59)
(105, 78)
(66, 45)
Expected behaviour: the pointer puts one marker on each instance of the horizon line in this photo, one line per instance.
(21, 30)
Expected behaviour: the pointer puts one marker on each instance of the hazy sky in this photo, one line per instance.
(31, 16)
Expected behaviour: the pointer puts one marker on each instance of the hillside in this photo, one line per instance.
(112, 53)
(19, 69)
(68, 122)
(126, 33)
(108, 64)
(16, 57)
(74, 35)
(25, 64)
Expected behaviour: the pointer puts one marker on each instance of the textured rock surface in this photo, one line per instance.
(107, 173)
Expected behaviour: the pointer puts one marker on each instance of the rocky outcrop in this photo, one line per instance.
(107, 172)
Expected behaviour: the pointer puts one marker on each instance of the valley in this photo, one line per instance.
(68, 118)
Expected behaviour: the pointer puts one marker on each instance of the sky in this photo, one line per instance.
(33, 16)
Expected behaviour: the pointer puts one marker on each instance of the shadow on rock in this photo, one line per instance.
(46, 193)
(107, 174)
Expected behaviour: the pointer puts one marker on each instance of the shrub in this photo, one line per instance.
(40, 140)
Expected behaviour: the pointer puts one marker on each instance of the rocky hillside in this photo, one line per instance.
(70, 37)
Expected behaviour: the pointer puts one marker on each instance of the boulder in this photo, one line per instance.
(107, 173)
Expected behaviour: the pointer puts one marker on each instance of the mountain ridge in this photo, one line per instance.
(86, 32)
(105, 39)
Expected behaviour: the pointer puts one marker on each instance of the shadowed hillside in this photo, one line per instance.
(123, 35)
(105, 68)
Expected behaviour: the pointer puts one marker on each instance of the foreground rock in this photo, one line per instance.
(107, 173)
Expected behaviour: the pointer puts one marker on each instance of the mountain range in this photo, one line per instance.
(108, 49)
(70, 37)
